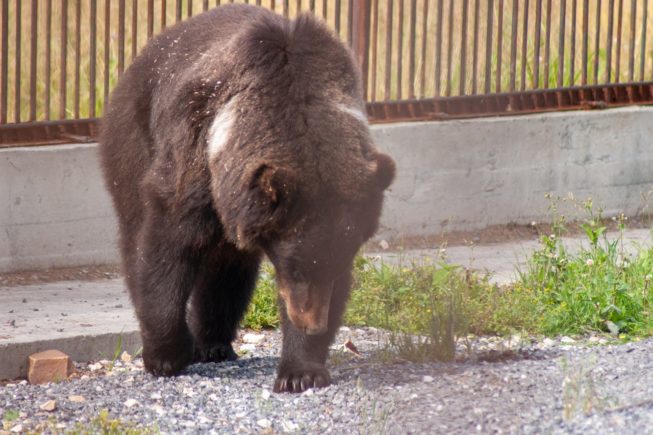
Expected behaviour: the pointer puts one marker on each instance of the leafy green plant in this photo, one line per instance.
(262, 312)
(105, 425)
(600, 288)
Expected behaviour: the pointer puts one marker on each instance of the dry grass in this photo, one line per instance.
(392, 74)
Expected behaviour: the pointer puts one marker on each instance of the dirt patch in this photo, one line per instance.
(499, 234)
(85, 273)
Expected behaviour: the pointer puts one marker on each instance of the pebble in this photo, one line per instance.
(131, 402)
(48, 406)
(264, 423)
(253, 338)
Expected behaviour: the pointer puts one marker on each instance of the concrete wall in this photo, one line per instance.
(455, 175)
(470, 174)
(55, 210)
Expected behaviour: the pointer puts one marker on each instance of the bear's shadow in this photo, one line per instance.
(242, 368)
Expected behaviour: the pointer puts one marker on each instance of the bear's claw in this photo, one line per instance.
(299, 380)
(216, 353)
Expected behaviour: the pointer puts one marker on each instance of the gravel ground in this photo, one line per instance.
(495, 386)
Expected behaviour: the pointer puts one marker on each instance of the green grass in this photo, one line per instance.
(428, 306)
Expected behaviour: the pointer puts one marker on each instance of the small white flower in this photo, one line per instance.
(648, 277)
(589, 262)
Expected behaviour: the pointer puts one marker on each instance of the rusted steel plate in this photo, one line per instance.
(50, 132)
(516, 103)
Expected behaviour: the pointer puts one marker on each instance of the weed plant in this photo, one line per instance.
(600, 288)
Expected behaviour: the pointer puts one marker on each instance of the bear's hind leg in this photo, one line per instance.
(218, 302)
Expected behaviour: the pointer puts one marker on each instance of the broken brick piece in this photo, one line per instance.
(49, 366)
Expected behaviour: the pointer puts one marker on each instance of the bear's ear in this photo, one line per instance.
(270, 191)
(383, 170)
(274, 184)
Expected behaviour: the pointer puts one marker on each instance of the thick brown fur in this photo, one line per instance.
(298, 180)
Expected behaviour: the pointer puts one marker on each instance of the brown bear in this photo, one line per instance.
(233, 135)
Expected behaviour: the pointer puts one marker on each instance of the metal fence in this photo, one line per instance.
(421, 59)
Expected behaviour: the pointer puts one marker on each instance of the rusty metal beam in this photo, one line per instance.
(471, 106)
(515, 103)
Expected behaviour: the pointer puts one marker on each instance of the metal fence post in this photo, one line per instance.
(360, 40)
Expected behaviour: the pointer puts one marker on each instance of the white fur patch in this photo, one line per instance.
(352, 111)
(221, 128)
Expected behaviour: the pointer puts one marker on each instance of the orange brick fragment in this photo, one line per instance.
(49, 366)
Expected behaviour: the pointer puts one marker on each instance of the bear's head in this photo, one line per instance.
(312, 233)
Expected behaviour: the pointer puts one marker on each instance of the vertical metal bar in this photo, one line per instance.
(617, 67)
(64, 58)
(608, 50)
(337, 17)
(189, 8)
(475, 47)
(561, 42)
(388, 50)
(536, 56)
(463, 50)
(488, 47)
(78, 56)
(547, 43)
(572, 46)
(107, 47)
(499, 46)
(597, 41)
(33, 60)
(360, 25)
(205, 5)
(5, 64)
(583, 80)
(643, 42)
(178, 11)
(134, 28)
(121, 36)
(375, 42)
(48, 58)
(411, 49)
(524, 47)
(350, 21)
(631, 43)
(400, 48)
(92, 53)
(449, 49)
(422, 71)
(164, 4)
(17, 62)
(150, 18)
(513, 45)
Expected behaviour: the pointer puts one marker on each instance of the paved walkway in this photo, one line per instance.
(89, 319)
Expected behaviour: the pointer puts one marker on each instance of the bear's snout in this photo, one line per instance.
(308, 309)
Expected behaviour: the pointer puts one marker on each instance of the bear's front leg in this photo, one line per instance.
(303, 356)
(165, 277)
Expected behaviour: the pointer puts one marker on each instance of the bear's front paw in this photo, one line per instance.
(296, 378)
(215, 353)
(164, 361)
